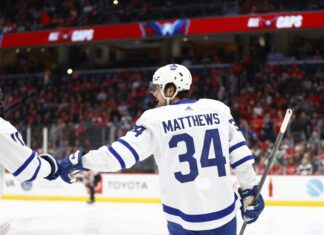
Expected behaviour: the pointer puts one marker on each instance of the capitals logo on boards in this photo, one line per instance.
(165, 28)
(26, 186)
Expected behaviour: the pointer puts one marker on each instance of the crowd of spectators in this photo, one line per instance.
(20, 15)
(83, 109)
(256, 6)
(90, 110)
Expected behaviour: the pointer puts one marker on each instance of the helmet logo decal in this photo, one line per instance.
(173, 67)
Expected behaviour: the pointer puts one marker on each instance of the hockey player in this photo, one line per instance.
(195, 143)
(19, 159)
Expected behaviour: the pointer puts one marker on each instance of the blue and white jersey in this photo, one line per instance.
(18, 158)
(195, 145)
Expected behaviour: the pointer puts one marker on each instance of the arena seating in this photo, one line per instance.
(83, 102)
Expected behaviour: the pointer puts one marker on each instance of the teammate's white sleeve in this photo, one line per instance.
(135, 146)
(241, 157)
(20, 160)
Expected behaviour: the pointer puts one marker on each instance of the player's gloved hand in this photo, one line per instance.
(250, 213)
(54, 165)
(72, 165)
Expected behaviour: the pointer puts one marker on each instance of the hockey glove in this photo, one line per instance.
(54, 165)
(71, 166)
(250, 213)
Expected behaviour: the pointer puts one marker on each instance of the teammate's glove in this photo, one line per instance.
(72, 165)
(250, 213)
(54, 166)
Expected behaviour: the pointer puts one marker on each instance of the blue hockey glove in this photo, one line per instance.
(54, 165)
(250, 213)
(71, 166)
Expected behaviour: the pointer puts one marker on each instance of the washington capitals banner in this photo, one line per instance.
(165, 28)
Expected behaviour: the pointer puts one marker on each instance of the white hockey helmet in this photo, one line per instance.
(177, 74)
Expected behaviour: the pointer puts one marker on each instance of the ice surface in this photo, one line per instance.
(78, 218)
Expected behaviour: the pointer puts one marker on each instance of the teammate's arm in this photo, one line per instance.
(241, 160)
(24, 163)
(19, 159)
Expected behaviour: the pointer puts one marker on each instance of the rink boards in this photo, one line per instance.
(144, 188)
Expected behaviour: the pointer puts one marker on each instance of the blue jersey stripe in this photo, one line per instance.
(118, 157)
(241, 161)
(18, 138)
(202, 217)
(36, 172)
(25, 164)
(236, 146)
(13, 137)
(130, 148)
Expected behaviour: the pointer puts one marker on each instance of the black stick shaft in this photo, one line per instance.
(271, 160)
(265, 174)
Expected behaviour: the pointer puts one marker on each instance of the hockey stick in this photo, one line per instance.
(283, 127)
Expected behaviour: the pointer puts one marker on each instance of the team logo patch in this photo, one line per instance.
(189, 108)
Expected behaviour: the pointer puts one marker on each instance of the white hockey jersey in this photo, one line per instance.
(195, 144)
(18, 158)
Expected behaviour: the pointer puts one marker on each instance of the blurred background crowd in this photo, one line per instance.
(257, 75)
(20, 15)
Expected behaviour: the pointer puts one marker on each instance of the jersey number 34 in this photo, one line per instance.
(218, 160)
